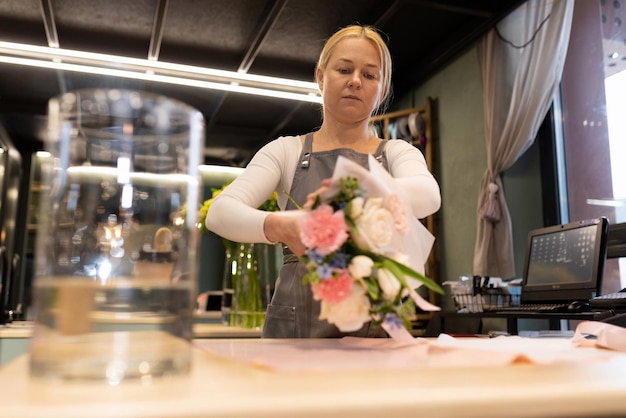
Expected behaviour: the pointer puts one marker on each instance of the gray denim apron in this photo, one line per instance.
(292, 312)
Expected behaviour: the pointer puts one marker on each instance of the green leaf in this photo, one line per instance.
(405, 311)
(310, 277)
(400, 271)
(372, 288)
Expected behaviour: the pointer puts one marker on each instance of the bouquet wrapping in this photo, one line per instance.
(366, 251)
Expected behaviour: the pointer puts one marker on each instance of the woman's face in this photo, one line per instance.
(351, 82)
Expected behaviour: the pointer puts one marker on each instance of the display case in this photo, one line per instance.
(36, 190)
(10, 228)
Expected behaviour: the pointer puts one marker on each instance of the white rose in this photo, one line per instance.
(350, 314)
(388, 283)
(361, 266)
(374, 227)
(373, 203)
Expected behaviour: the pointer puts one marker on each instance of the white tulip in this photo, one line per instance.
(388, 283)
(361, 266)
(356, 207)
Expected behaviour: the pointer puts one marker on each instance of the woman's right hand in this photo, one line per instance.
(284, 227)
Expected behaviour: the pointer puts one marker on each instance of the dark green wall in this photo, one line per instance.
(461, 161)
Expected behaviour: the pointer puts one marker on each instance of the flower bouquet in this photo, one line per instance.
(365, 254)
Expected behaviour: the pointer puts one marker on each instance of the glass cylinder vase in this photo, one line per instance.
(116, 253)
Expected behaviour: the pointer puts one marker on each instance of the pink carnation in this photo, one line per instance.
(324, 230)
(333, 290)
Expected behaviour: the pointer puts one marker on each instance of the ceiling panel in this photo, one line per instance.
(25, 10)
(269, 37)
(219, 32)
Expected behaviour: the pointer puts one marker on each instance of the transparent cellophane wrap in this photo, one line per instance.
(416, 243)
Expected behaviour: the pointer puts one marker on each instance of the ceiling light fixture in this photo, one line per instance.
(157, 71)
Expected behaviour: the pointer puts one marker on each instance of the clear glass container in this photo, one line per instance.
(116, 255)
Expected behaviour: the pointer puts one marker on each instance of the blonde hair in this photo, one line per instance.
(374, 36)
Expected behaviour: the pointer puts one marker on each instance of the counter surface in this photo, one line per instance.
(200, 330)
(241, 378)
(15, 337)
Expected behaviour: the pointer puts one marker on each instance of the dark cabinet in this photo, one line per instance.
(11, 227)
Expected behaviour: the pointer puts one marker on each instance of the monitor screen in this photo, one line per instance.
(565, 262)
(564, 256)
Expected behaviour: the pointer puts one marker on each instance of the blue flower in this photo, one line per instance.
(393, 321)
(339, 260)
(324, 271)
(313, 256)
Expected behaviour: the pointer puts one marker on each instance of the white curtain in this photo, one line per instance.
(521, 63)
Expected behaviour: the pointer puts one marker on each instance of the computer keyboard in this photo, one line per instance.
(615, 300)
(612, 296)
(536, 307)
(547, 334)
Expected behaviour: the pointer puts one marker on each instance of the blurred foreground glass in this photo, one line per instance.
(116, 255)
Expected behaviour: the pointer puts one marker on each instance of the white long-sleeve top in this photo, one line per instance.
(233, 214)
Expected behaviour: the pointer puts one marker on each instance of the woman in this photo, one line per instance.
(354, 76)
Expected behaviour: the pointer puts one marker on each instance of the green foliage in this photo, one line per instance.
(270, 205)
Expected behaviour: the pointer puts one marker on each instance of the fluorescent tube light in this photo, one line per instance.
(217, 175)
(157, 71)
(615, 202)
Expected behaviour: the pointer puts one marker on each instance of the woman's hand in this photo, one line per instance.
(285, 228)
(310, 198)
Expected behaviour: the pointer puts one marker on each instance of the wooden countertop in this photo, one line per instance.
(242, 383)
(16, 330)
(200, 330)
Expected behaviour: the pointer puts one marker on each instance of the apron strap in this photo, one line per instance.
(305, 158)
(379, 155)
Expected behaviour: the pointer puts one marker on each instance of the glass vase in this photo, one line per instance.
(249, 277)
(116, 258)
